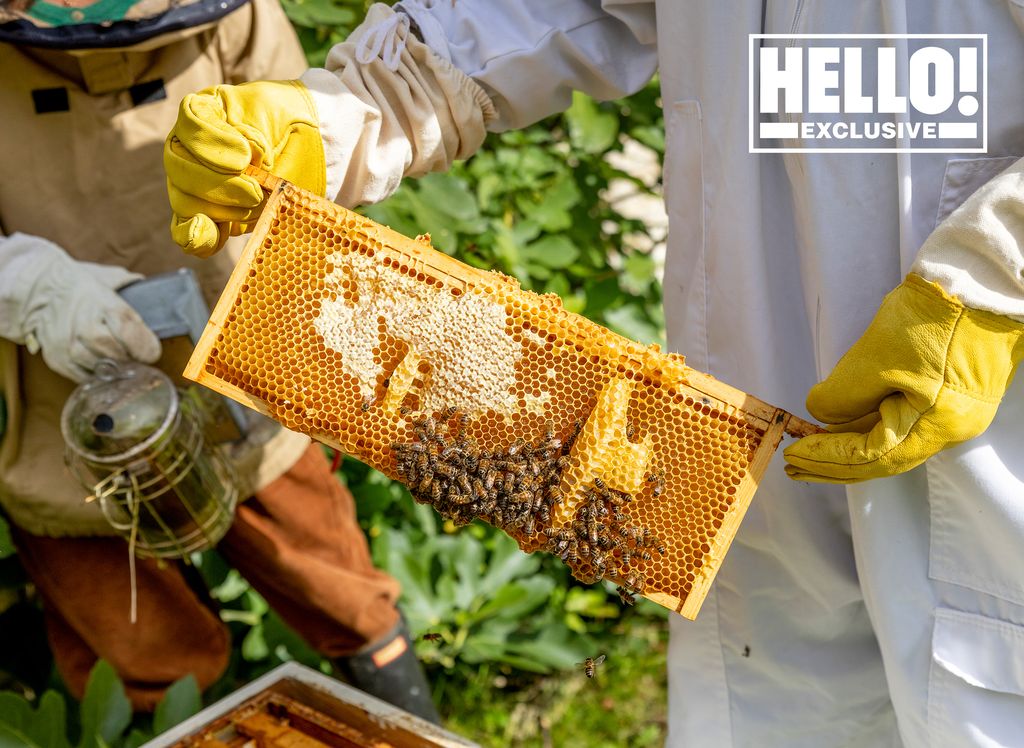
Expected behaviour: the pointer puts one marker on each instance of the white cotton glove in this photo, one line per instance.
(68, 310)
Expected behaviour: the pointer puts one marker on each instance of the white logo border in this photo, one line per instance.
(752, 115)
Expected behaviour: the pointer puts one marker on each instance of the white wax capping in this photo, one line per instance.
(463, 338)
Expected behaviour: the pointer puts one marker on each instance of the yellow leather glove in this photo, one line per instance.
(927, 374)
(219, 132)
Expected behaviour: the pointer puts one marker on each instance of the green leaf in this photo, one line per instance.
(49, 727)
(136, 739)
(12, 737)
(593, 603)
(372, 498)
(506, 563)
(105, 709)
(450, 195)
(633, 323)
(232, 588)
(180, 702)
(516, 599)
(556, 647)
(638, 273)
(590, 129)
(254, 646)
(468, 560)
(6, 543)
(552, 251)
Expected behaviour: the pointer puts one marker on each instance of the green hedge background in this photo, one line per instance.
(547, 206)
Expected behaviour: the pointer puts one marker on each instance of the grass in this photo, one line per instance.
(623, 706)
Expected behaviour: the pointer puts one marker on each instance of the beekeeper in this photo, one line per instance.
(889, 612)
(88, 92)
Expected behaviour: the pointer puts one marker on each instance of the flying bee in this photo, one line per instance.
(625, 596)
(432, 637)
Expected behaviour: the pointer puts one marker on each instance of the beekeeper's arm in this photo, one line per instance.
(938, 357)
(68, 310)
(389, 104)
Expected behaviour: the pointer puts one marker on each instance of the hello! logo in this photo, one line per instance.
(869, 93)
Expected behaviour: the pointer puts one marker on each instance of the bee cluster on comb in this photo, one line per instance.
(518, 490)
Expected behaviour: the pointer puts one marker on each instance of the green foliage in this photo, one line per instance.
(105, 717)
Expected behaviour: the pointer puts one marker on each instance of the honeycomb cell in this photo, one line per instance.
(608, 453)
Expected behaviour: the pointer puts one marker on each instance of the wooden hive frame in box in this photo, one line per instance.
(489, 401)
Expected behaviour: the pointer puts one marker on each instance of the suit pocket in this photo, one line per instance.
(976, 681)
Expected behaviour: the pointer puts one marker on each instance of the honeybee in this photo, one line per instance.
(427, 425)
(528, 527)
(627, 557)
(404, 410)
(516, 448)
(571, 553)
(450, 411)
(659, 545)
(432, 637)
(625, 596)
(630, 431)
(544, 514)
(658, 489)
(590, 665)
(366, 404)
(647, 538)
(599, 483)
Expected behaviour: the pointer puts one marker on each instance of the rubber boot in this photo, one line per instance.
(389, 670)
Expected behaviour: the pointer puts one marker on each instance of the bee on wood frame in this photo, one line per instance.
(590, 665)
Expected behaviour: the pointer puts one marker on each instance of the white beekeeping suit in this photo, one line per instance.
(887, 613)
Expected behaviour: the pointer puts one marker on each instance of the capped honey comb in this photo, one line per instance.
(362, 338)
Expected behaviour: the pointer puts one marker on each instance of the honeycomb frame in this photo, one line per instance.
(312, 276)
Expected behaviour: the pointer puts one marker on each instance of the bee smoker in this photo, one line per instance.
(138, 446)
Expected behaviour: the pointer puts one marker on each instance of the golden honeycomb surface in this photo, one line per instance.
(347, 331)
